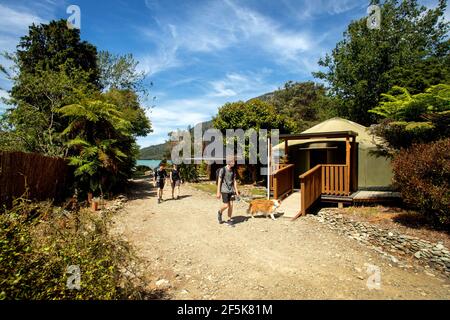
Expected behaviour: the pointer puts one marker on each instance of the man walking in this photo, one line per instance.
(160, 179)
(227, 189)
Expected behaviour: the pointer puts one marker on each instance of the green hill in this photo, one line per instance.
(155, 152)
(158, 151)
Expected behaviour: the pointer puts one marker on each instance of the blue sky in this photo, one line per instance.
(199, 54)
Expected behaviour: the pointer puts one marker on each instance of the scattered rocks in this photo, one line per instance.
(434, 254)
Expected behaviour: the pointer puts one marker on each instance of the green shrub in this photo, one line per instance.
(140, 171)
(422, 174)
(38, 242)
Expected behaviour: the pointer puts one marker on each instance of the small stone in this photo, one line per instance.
(360, 277)
(417, 255)
(163, 283)
(439, 247)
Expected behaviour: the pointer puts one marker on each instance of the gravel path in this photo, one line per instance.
(196, 258)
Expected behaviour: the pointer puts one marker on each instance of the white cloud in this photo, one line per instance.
(16, 21)
(221, 25)
(165, 58)
(240, 84)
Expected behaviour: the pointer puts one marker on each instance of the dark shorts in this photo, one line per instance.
(227, 197)
(160, 184)
(175, 183)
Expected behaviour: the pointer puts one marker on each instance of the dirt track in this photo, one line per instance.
(259, 258)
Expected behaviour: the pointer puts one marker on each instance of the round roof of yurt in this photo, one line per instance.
(365, 139)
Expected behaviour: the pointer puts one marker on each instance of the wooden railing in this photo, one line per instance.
(330, 179)
(274, 169)
(310, 188)
(283, 181)
(335, 180)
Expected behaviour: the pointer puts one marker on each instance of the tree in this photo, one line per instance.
(99, 141)
(128, 103)
(254, 114)
(119, 72)
(411, 49)
(50, 46)
(52, 67)
(305, 103)
(58, 108)
(33, 124)
(418, 118)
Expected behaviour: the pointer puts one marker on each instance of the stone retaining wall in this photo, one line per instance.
(433, 254)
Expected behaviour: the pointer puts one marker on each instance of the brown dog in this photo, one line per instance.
(266, 207)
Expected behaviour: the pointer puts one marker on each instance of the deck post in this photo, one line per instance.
(286, 147)
(354, 181)
(347, 163)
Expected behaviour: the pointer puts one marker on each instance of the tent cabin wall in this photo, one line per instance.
(374, 172)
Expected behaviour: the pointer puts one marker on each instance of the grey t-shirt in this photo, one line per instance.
(228, 180)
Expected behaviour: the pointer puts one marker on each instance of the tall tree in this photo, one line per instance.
(306, 103)
(120, 72)
(50, 46)
(410, 49)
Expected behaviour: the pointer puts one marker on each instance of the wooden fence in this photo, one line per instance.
(33, 175)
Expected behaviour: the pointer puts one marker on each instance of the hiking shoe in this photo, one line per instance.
(159, 200)
(219, 217)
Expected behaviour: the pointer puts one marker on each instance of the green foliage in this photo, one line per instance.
(127, 102)
(305, 103)
(410, 49)
(38, 242)
(400, 105)
(409, 119)
(58, 108)
(50, 46)
(254, 114)
(188, 172)
(33, 125)
(422, 173)
(99, 142)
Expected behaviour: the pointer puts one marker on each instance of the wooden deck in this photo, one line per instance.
(375, 196)
(290, 206)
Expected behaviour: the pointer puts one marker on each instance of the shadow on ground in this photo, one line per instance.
(141, 189)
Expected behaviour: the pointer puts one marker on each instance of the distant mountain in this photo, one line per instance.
(158, 151)
(155, 152)
(265, 97)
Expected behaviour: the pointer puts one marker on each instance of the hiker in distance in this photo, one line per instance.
(160, 179)
(175, 181)
(227, 189)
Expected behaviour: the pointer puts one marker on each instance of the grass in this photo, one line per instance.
(207, 187)
(245, 189)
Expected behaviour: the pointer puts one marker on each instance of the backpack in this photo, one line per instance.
(221, 173)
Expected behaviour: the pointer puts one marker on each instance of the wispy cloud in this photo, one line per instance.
(216, 26)
(240, 85)
(16, 21)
